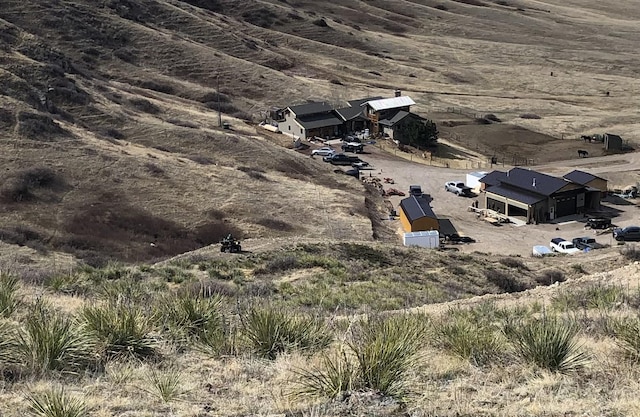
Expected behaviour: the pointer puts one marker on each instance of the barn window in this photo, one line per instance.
(300, 130)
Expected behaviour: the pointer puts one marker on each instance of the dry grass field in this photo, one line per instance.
(117, 179)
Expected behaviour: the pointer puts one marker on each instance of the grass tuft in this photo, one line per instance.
(469, 339)
(272, 331)
(8, 299)
(119, 330)
(549, 343)
(55, 403)
(627, 335)
(166, 385)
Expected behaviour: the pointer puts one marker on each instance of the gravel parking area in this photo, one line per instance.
(505, 239)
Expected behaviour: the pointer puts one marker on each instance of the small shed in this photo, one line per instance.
(416, 215)
(428, 239)
(612, 142)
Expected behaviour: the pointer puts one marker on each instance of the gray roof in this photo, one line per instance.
(355, 108)
(398, 116)
(311, 108)
(493, 178)
(527, 180)
(417, 207)
(314, 121)
(581, 177)
(446, 228)
(512, 193)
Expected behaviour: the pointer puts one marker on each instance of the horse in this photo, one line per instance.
(582, 154)
(586, 138)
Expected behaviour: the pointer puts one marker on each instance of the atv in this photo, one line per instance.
(229, 244)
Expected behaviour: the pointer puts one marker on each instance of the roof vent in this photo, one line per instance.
(534, 182)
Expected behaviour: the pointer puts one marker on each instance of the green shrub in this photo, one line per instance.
(550, 277)
(505, 281)
(8, 299)
(548, 343)
(596, 296)
(470, 341)
(175, 275)
(8, 356)
(50, 341)
(513, 263)
(191, 317)
(272, 331)
(166, 385)
(119, 330)
(335, 376)
(385, 350)
(627, 335)
(55, 403)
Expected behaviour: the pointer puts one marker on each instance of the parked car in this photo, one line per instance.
(354, 147)
(561, 245)
(586, 242)
(598, 223)
(341, 159)
(458, 188)
(628, 234)
(325, 151)
(415, 190)
(360, 164)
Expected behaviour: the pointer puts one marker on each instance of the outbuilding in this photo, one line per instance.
(596, 187)
(416, 214)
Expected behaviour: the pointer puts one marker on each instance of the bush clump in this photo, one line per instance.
(505, 281)
(549, 343)
(550, 277)
(530, 116)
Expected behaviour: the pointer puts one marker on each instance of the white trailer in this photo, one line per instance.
(427, 239)
(473, 179)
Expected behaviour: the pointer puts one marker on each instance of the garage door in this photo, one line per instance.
(565, 206)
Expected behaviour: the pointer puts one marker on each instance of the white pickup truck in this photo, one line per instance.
(560, 245)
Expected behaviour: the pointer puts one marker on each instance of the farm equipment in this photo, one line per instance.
(230, 244)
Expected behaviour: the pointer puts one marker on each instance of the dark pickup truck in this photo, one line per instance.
(586, 242)
(341, 159)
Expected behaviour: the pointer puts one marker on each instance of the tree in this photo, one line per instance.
(420, 133)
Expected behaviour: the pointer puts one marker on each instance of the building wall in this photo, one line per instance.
(290, 126)
(418, 225)
(598, 184)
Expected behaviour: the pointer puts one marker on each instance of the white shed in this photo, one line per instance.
(425, 239)
(473, 179)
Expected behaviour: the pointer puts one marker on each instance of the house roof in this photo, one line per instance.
(314, 121)
(523, 196)
(493, 178)
(581, 177)
(416, 208)
(395, 118)
(527, 180)
(390, 103)
(311, 108)
(355, 108)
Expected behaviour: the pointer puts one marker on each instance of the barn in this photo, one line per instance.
(416, 214)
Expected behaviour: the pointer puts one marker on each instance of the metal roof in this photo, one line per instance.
(446, 228)
(417, 207)
(493, 178)
(522, 196)
(314, 121)
(311, 108)
(533, 181)
(390, 103)
(580, 177)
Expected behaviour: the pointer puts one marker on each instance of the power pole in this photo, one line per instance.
(218, 96)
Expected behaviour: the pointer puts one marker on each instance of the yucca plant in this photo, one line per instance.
(549, 343)
(272, 331)
(627, 336)
(51, 341)
(8, 354)
(470, 341)
(192, 315)
(336, 375)
(8, 298)
(55, 403)
(119, 330)
(166, 385)
(385, 350)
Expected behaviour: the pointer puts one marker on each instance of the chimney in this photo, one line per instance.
(398, 93)
(534, 182)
